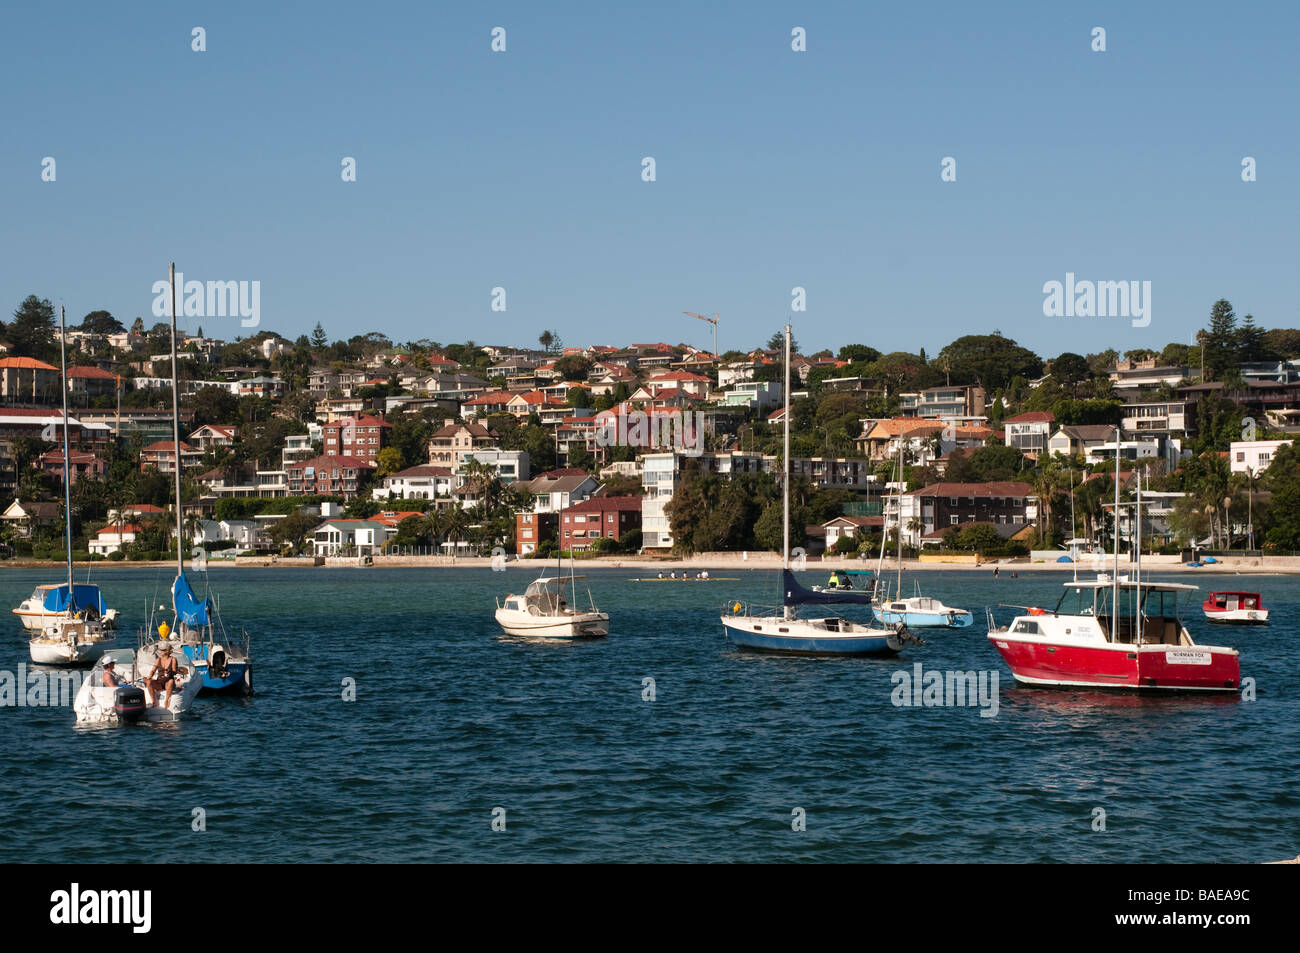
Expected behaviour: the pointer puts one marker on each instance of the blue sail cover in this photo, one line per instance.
(796, 595)
(56, 599)
(189, 608)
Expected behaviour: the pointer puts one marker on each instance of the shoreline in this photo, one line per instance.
(757, 562)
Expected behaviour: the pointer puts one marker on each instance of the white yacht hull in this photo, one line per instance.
(579, 625)
(70, 642)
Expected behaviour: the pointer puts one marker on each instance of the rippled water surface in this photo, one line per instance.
(452, 719)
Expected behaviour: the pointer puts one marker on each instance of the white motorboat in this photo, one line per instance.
(543, 611)
(132, 700)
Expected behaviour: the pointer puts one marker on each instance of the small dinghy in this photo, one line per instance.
(130, 698)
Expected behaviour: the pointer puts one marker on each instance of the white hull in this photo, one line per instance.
(580, 625)
(1239, 616)
(70, 642)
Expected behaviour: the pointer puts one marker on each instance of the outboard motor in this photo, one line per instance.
(128, 702)
(217, 663)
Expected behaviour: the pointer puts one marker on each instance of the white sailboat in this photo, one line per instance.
(915, 611)
(779, 628)
(131, 699)
(72, 634)
(220, 659)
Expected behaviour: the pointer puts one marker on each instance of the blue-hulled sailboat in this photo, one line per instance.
(221, 659)
(779, 628)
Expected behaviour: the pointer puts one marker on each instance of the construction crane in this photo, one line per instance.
(713, 321)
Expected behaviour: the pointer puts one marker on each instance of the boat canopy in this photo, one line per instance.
(83, 596)
(797, 595)
(1128, 582)
(189, 608)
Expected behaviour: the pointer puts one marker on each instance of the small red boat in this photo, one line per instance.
(1239, 608)
(1096, 637)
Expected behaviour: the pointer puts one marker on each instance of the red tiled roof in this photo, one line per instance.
(995, 488)
(600, 504)
(91, 373)
(167, 446)
(26, 364)
(1032, 417)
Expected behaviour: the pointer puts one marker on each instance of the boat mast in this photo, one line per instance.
(785, 477)
(1137, 551)
(67, 463)
(898, 495)
(1114, 597)
(1074, 533)
(176, 422)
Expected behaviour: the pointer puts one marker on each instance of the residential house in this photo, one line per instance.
(962, 402)
(210, 436)
(28, 517)
(162, 456)
(423, 482)
(81, 464)
(850, 527)
(27, 380)
(452, 441)
(940, 506)
(361, 437)
(1030, 431)
(1075, 440)
(1253, 456)
(91, 382)
(327, 475)
(601, 517)
(533, 529)
(112, 539)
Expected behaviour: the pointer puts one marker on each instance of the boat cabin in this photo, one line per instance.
(1123, 611)
(1232, 601)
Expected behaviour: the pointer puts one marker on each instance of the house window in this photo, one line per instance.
(952, 501)
(953, 520)
(1241, 456)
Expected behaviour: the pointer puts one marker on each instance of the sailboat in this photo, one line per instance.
(779, 628)
(72, 633)
(915, 611)
(221, 659)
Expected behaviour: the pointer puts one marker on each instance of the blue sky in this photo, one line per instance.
(775, 169)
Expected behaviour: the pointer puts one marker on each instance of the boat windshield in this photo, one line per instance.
(1160, 615)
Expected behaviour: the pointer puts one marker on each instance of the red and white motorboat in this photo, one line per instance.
(1097, 638)
(1240, 608)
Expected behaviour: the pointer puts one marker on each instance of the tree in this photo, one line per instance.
(1251, 345)
(388, 461)
(31, 333)
(213, 405)
(290, 532)
(318, 339)
(1221, 342)
(101, 322)
(990, 360)
(777, 343)
(985, 464)
(572, 367)
(859, 352)
(1070, 368)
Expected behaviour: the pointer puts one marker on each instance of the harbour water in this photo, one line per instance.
(452, 720)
